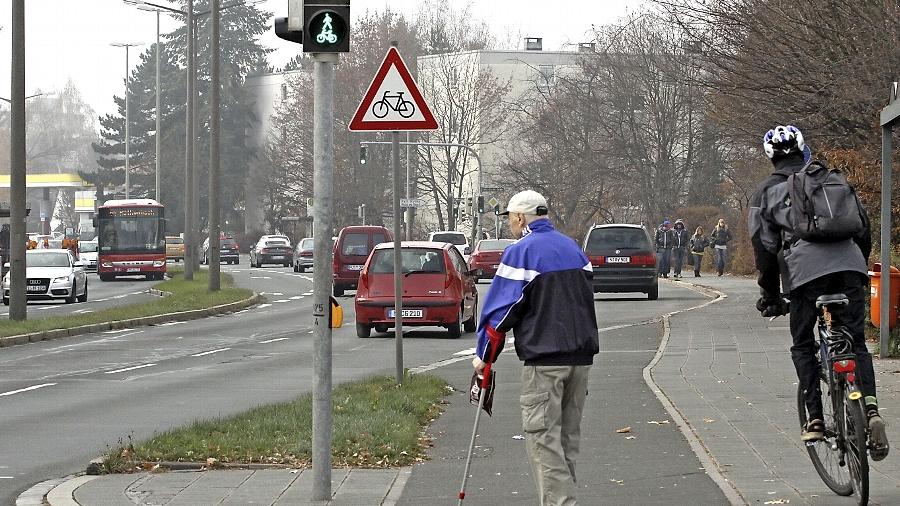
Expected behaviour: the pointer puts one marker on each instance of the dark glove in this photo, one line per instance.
(772, 306)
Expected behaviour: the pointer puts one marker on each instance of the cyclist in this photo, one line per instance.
(810, 269)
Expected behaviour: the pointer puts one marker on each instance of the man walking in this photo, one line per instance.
(679, 246)
(812, 268)
(664, 247)
(542, 292)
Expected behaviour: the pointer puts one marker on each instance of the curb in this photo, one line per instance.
(193, 314)
(710, 465)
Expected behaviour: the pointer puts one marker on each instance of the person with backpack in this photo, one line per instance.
(699, 243)
(679, 247)
(819, 245)
(664, 247)
(719, 240)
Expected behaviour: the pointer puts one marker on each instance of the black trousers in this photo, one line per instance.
(803, 328)
(677, 260)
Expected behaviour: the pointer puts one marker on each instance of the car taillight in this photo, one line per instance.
(234, 247)
(645, 260)
(264, 250)
(841, 366)
(448, 280)
(363, 280)
(306, 253)
(597, 261)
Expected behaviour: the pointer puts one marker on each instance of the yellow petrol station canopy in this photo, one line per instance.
(48, 181)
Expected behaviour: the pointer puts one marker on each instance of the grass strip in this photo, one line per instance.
(376, 424)
(186, 295)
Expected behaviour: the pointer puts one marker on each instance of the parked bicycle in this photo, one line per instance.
(393, 102)
(841, 457)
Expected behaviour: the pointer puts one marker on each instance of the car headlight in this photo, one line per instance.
(61, 279)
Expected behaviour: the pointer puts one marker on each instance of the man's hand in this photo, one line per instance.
(772, 306)
(478, 364)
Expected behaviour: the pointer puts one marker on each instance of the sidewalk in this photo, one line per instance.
(730, 374)
(726, 370)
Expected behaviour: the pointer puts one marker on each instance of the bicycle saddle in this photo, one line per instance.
(838, 299)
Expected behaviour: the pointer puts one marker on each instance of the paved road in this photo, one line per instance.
(101, 295)
(63, 402)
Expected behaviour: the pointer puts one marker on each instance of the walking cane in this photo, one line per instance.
(496, 340)
(484, 384)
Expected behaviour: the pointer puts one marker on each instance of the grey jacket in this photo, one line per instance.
(777, 250)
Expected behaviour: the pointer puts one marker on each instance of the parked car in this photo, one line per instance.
(623, 259)
(52, 274)
(87, 253)
(303, 254)
(271, 251)
(351, 250)
(174, 248)
(485, 258)
(228, 251)
(438, 289)
(453, 237)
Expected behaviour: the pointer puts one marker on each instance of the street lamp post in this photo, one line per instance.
(17, 300)
(127, 46)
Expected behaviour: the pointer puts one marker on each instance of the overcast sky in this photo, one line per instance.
(71, 38)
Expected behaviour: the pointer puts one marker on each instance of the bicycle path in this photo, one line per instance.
(729, 373)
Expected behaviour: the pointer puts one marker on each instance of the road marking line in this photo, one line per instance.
(35, 387)
(130, 368)
(267, 341)
(297, 297)
(260, 277)
(116, 331)
(210, 352)
(169, 324)
(276, 293)
(6, 478)
(100, 300)
(263, 305)
(470, 351)
(282, 300)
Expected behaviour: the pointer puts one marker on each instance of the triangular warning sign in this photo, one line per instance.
(393, 101)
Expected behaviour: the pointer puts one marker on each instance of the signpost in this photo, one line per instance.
(393, 103)
(412, 203)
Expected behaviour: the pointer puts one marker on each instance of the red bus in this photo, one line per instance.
(131, 235)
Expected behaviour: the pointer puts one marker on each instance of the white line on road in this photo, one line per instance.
(210, 352)
(282, 300)
(267, 341)
(260, 277)
(276, 293)
(100, 300)
(470, 351)
(297, 297)
(263, 305)
(130, 368)
(115, 331)
(35, 387)
(169, 324)
(6, 478)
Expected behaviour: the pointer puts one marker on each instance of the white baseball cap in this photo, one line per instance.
(527, 202)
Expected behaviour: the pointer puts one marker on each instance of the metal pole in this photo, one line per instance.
(157, 107)
(127, 136)
(398, 276)
(323, 174)
(409, 211)
(189, 147)
(884, 331)
(17, 306)
(213, 251)
(195, 161)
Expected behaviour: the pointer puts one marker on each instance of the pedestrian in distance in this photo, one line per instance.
(699, 243)
(679, 247)
(831, 259)
(719, 239)
(663, 242)
(542, 292)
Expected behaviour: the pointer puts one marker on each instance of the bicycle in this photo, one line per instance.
(841, 457)
(393, 102)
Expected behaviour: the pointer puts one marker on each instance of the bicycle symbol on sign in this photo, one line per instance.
(327, 33)
(393, 102)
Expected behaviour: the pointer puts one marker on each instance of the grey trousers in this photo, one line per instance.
(552, 400)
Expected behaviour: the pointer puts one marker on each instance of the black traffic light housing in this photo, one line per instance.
(281, 30)
(362, 155)
(481, 204)
(326, 26)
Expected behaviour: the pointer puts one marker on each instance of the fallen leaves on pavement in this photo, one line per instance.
(624, 430)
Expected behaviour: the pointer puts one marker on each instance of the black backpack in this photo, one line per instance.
(824, 206)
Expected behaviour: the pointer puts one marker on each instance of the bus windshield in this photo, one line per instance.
(131, 229)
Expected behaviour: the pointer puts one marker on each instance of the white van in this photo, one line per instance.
(454, 237)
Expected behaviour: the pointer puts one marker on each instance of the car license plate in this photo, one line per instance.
(35, 288)
(278, 258)
(407, 313)
(133, 269)
(618, 260)
(355, 268)
(495, 266)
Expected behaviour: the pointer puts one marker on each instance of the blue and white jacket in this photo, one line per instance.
(542, 292)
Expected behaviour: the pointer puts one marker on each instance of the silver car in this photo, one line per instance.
(52, 274)
(87, 253)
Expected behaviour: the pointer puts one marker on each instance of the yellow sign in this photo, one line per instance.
(337, 315)
(48, 181)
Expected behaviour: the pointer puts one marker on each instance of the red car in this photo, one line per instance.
(351, 249)
(438, 289)
(486, 257)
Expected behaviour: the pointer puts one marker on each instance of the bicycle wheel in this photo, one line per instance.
(406, 109)
(380, 109)
(857, 449)
(826, 454)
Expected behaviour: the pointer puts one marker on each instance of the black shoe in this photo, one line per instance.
(878, 443)
(814, 431)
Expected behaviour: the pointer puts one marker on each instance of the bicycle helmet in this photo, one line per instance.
(783, 140)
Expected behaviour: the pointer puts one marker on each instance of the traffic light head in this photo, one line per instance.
(326, 26)
(362, 155)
